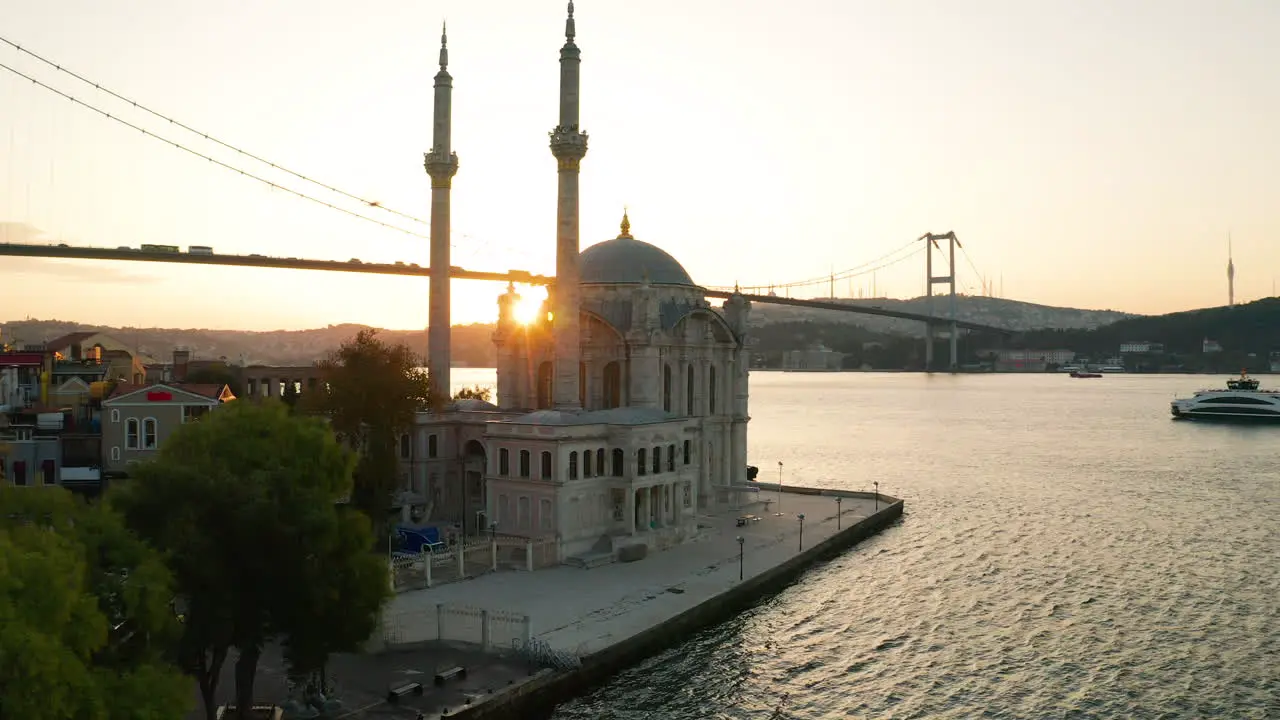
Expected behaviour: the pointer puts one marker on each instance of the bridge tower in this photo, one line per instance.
(441, 164)
(931, 244)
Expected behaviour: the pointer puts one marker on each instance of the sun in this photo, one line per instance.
(529, 309)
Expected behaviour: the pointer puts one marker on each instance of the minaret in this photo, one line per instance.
(1231, 276)
(569, 145)
(441, 164)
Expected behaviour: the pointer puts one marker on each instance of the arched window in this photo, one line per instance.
(546, 372)
(671, 458)
(600, 461)
(688, 394)
(688, 452)
(619, 463)
(666, 387)
(404, 446)
(150, 436)
(433, 445)
(586, 463)
(524, 463)
(612, 385)
(711, 390)
(546, 465)
(573, 465)
(657, 460)
(641, 465)
(132, 434)
(504, 461)
(115, 415)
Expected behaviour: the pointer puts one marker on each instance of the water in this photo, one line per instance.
(1068, 552)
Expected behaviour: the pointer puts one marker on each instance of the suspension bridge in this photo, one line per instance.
(353, 205)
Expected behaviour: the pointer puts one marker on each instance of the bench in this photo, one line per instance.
(445, 676)
(395, 693)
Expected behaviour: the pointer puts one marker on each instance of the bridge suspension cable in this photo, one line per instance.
(199, 154)
(886, 260)
(209, 137)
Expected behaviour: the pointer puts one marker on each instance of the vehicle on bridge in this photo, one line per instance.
(161, 248)
(199, 250)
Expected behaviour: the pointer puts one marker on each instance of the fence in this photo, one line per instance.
(538, 652)
(490, 629)
(476, 556)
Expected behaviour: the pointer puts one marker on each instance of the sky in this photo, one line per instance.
(1088, 153)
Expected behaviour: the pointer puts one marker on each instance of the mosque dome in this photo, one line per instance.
(627, 261)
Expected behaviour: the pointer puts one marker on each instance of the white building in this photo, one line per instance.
(621, 409)
(1140, 347)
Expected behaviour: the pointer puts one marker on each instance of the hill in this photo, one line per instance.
(1243, 329)
(472, 344)
(997, 312)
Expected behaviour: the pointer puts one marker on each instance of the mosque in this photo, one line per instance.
(621, 408)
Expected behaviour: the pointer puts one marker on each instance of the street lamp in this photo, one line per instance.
(779, 513)
(877, 484)
(493, 530)
(801, 518)
(741, 540)
(838, 499)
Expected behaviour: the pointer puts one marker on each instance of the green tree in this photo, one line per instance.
(371, 392)
(474, 392)
(249, 504)
(290, 395)
(85, 614)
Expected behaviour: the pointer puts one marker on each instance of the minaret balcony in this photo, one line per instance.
(568, 142)
(439, 164)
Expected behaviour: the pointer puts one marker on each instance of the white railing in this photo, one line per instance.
(415, 571)
(494, 630)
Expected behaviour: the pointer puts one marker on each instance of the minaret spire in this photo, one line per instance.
(444, 46)
(569, 146)
(441, 164)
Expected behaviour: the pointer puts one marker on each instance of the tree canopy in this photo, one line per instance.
(247, 502)
(473, 392)
(371, 392)
(85, 614)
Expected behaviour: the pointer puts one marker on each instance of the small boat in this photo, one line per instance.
(1084, 374)
(1241, 401)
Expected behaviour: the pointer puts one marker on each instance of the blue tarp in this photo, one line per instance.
(412, 540)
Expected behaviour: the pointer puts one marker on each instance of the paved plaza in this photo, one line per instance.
(584, 610)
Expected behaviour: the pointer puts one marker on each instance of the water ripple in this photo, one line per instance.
(1068, 553)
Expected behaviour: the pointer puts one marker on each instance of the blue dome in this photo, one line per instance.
(627, 261)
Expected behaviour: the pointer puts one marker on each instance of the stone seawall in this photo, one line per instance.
(539, 697)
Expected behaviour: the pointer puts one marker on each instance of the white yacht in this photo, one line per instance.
(1240, 401)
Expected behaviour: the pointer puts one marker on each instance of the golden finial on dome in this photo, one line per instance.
(626, 224)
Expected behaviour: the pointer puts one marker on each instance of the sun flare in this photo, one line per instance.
(529, 309)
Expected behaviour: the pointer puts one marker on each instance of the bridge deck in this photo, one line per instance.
(91, 253)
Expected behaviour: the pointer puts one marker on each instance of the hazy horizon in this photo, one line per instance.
(1089, 154)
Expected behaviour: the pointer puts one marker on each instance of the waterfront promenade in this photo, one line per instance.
(583, 611)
